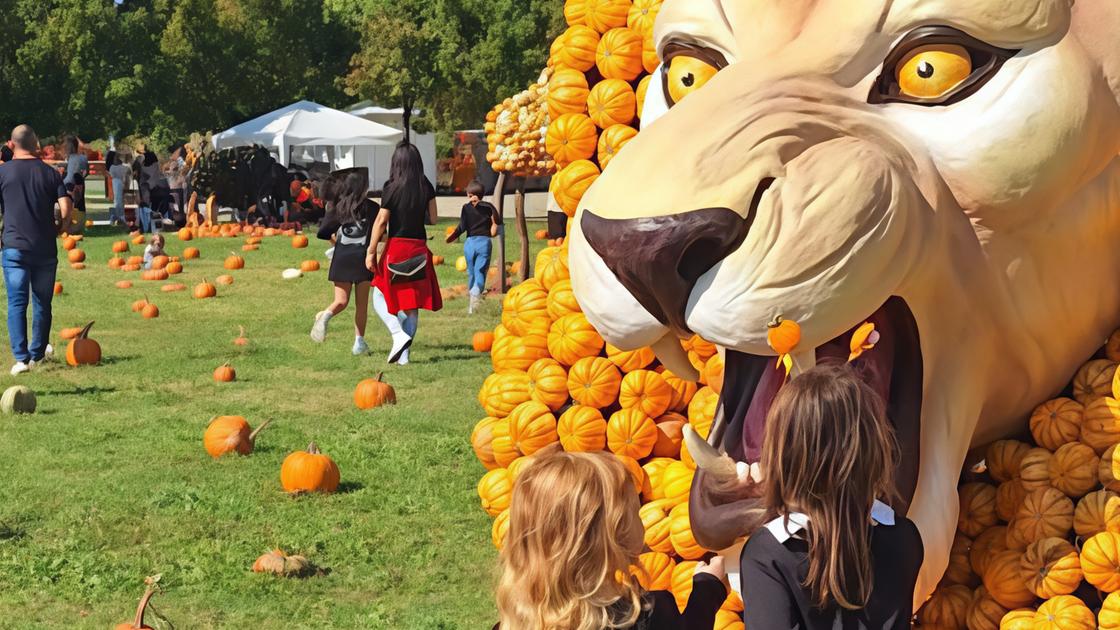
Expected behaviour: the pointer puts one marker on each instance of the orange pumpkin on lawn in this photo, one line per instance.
(309, 471)
(373, 392)
(83, 350)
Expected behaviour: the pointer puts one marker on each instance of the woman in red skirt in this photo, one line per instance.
(404, 273)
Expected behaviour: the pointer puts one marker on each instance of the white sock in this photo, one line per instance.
(382, 309)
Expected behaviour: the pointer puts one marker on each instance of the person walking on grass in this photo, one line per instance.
(404, 274)
(349, 223)
(122, 177)
(479, 221)
(29, 189)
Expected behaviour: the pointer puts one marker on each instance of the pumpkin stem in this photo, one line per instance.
(253, 435)
(85, 331)
(774, 323)
(379, 375)
(241, 332)
(148, 593)
(313, 448)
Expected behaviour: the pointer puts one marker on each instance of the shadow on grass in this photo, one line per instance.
(346, 487)
(81, 391)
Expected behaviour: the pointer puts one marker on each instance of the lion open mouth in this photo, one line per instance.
(893, 368)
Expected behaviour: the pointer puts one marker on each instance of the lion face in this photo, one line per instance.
(940, 168)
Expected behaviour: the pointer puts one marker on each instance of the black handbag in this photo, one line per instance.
(409, 269)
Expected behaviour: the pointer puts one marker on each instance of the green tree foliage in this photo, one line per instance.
(165, 68)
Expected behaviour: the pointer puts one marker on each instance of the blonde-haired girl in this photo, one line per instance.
(574, 534)
(834, 555)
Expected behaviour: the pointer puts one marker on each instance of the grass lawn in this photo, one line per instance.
(108, 482)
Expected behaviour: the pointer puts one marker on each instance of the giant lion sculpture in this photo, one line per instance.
(947, 169)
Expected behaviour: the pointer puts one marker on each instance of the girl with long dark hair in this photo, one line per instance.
(405, 274)
(834, 555)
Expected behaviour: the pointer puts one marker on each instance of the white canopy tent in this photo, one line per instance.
(307, 124)
(376, 158)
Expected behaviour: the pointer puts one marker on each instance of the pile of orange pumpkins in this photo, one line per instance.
(1038, 537)
(587, 102)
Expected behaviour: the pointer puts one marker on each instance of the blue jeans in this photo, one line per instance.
(477, 250)
(27, 273)
(145, 215)
(116, 212)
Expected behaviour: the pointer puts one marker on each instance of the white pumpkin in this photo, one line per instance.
(291, 273)
(18, 399)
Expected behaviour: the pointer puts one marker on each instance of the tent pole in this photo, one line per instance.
(499, 195)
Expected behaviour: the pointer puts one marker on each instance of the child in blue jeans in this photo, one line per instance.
(480, 221)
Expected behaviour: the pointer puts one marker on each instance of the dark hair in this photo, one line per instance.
(829, 452)
(406, 179)
(350, 188)
(476, 188)
(70, 145)
(150, 157)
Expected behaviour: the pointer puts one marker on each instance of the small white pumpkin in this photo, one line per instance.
(18, 399)
(291, 273)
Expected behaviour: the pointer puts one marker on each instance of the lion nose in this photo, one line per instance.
(659, 259)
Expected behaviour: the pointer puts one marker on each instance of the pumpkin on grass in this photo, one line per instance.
(299, 241)
(82, 350)
(225, 373)
(138, 622)
(279, 563)
(150, 311)
(233, 261)
(17, 399)
(482, 341)
(204, 290)
(309, 265)
(309, 471)
(119, 247)
(240, 339)
(190, 252)
(224, 279)
(582, 429)
(374, 392)
(123, 284)
(229, 434)
(173, 287)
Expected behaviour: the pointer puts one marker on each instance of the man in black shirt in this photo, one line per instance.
(480, 221)
(29, 189)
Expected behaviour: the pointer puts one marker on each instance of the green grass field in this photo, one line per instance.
(108, 482)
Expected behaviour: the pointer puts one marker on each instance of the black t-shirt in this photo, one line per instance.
(475, 220)
(773, 574)
(28, 192)
(408, 212)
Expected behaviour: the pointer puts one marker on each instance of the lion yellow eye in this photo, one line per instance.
(686, 75)
(932, 71)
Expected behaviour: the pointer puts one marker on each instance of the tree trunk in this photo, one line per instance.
(499, 195)
(522, 228)
(406, 117)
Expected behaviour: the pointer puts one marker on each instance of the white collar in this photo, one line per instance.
(785, 527)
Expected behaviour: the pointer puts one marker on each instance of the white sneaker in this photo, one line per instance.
(472, 306)
(19, 368)
(401, 343)
(49, 352)
(319, 328)
(360, 346)
(404, 357)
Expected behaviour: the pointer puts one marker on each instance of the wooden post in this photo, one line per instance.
(499, 195)
(522, 227)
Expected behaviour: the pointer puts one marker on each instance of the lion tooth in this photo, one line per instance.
(803, 361)
(669, 351)
(756, 472)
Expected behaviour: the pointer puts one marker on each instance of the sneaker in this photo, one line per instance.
(472, 306)
(49, 352)
(403, 360)
(360, 346)
(319, 328)
(19, 368)
(401, 343)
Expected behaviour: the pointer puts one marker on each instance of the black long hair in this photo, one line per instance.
(348, 194)
(405, 189)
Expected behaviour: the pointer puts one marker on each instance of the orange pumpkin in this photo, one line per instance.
(229, 434)
(1004, 580)
(641, 91)
(680, 534)
(299, 241)
(572, 338)
(138, 239)
(637, 475)
(517, 354)
(611, 142)
(174, 267)
(946, 608)
(1009, 496)
(154, 274)
(82, 350)
(646, 391)
(233, 261)
(174, 286)
(630, 360)
(783, 335)
(500, 443)
(683, 391)
(650, 59)
(150, 311)
(985, 547)
(571, 137)
(1044, 513)
(250, 248)
(1093, 380)
(1090, 515)
(569, 185)
(567, 93)
(682, 582)
(500, 529)
(669, 436)
(1107, 469)
(138, 622)
(1034, 469)
(135, 260)
(551, 267)
(185, 234)
(1100, 427)
(619, 55)
(120, 247)
(76, 256)
(123, 284)
(582, 429)
(603, 15)
(655, 571)
(116, 262)
(984, 612)
(642, 15)
(309, 471)
(1051, 567)
(1100, 561)
(1065, 612)
(190, 252)
(482, 341)
(494, 489)
(373, 392)
(594, 382)
(532, 427)
(977, 508)
(481, 441)
(548, 383)
(561, 300)
(523, 306)
(1018, 619)
(224, 279)
(309, 265)
(575, 12)
(1073, 469)
(501, 393)
(702, 410)
(205, 290)
(960, 570)
(611, 102)
(69, 243)
(1004, 458)
(1057, 422)
(713, 373)
(631, 432)
(579, 48)
(225, 373)
(159, 262)
(676, 481)
(1109, 616)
